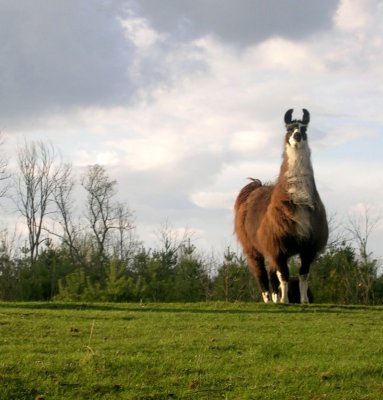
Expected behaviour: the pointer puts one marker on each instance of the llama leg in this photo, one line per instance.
(282, 272)
(266, 297)
(303, 288)
(257, 267)
(306, 261)
(279, 279)
(274, 280)
(284, 288)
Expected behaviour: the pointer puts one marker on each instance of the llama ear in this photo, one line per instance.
(288, 116)
(306, 117)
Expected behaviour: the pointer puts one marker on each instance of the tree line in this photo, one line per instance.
(90, 252)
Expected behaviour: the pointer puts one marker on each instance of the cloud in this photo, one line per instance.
(347, 133)
(183, 100)
(354, 14)
(57, 56)
(288, 56)
(215, 200)
(250, 142)
(139, 31)
(243, 24)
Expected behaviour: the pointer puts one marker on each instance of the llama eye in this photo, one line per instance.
(290, 130)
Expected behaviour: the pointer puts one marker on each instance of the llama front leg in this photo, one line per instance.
(282, 273)
(303, 288)
(284, 285)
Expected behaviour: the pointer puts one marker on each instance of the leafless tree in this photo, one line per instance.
(4, 174)
(103, 213)
(35, 183)
(336, 231)
(100, 190)
(124, 227)
(63, 198)
(360, 228)
(171, 239)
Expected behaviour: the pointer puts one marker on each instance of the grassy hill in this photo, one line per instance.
(190, 351)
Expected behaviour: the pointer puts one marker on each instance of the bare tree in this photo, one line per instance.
(35, 183)
(171, 239)
(102, 212)
(4, 175)
(336, 231)
(100, 190)
(63, 198)
(360, 229)
(124, 227)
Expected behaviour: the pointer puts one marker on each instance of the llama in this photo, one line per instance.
(276, 221)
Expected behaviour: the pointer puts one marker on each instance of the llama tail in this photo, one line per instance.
(245, 192)
(240, 212)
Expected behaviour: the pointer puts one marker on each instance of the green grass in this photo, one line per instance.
(193, 351)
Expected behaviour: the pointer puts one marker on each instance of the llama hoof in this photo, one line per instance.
(275, 298)
(266, 297)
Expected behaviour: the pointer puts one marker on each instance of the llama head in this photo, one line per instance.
(296, 135)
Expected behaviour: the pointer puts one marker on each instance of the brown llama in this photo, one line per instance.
(276, 221)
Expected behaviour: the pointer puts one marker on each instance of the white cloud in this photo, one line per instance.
(354, 15)
(215, 200)
(139, 31)
(90, 157)
(347, 133)
(251, 142)
(350, 181)
(286, 55)
(150, 152)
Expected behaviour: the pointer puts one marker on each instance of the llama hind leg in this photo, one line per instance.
(257, 267)
(306, 261)
(274, 280)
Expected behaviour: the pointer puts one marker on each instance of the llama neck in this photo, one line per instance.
(297, 175)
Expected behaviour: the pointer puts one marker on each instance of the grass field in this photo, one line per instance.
(190, 351)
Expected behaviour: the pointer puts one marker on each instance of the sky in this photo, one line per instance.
(182, 100)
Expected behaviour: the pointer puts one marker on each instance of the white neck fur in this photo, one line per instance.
(299, 173)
